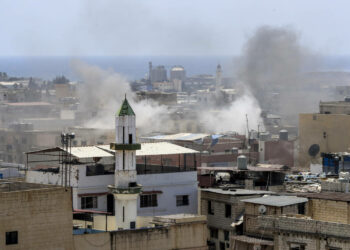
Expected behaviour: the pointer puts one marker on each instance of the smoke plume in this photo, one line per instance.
(102, 93)
(273, 65)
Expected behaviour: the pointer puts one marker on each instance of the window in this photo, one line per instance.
(130, 138)
(228, 210)
(89, 202)
(148, 200)
(182, 200)
(24, 140)
(222, 245)
(301, 208)
(296, 246)
(210, 208)
(83, 143)
(12, 238)
(214, 232)
(226, 235)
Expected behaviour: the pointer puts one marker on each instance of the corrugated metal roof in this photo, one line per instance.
(163, 148)
(89, 152)
(276, 201)
(179, 137)
(157, 148)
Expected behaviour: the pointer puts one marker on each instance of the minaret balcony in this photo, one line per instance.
(116, 146)
(125, 190)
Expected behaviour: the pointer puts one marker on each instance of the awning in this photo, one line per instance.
(92, 194)
(83, 211)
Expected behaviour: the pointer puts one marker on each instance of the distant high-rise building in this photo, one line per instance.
(218, 77)
(177, 72)
(158, 74)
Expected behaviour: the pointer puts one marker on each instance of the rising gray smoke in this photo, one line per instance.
(102, 93)
(273, 66)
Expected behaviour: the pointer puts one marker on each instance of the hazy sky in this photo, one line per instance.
(161, 27)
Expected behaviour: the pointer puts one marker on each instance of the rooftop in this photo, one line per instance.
(178, 137)
(28, 104)
(235, 192)
(178, 218)
(263, 168)
(333, 196)
(157, 148)
(78, 152)
(277, 201)
(12, 186)
(252, 240)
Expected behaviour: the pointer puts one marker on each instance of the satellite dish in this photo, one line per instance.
(314, 149)
(262, 209)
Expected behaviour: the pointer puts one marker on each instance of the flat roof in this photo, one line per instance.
(266, 168)
(178, 137)
(252, 240)
(157, 148)
(235, 192)
(79, 152)
(89, 151)
(28, 104)
(334, 196)
(7, 185)
(277, 201)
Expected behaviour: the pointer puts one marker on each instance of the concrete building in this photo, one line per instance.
(338, 107)
(35, 216)
(178, 72)
(158, 74)
(324, 226)
(224, 210)
(164, 180)
(281, 150)
(269, 205)
(181, 231)
(324, 133)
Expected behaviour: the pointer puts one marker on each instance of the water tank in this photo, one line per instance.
(283, 135)
(242, 162)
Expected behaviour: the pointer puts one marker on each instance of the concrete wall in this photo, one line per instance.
(179, 236)
(218, 220)
(315, 235)
(42, 217)
(311, 131)
(170, 185)
(328, 210)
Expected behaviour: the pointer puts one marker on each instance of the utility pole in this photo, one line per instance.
(248, 138)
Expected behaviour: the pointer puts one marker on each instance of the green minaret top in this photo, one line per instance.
(125, 109)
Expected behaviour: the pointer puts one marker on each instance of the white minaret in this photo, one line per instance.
(218, 77)
(125, 189)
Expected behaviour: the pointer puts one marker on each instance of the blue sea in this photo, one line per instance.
(133, 67)
(136, 67)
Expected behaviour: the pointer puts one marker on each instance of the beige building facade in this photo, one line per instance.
(170, 232)
(224, 208)
(35, 216)
(329, 131)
